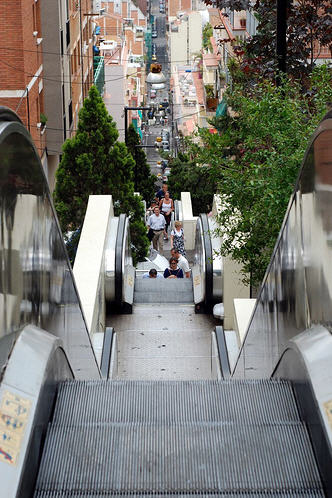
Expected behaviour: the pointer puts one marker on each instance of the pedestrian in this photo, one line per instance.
(182, 262)
(152, 274)
(157, 223)
(161, 192)
(173, 271)
(177, 238)
(166, 207)
(150, 209)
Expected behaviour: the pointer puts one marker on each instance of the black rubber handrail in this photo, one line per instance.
(107, 352)
(222, 352)
(119, 248)
(8, 115)
(208, 301)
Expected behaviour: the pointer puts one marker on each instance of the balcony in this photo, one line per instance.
(99, 73)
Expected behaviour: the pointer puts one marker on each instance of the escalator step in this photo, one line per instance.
(256, 401)
(205, 458)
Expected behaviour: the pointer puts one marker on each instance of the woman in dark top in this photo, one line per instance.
(173, 271)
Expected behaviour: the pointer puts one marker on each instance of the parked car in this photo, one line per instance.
(154, 34)
(153, 57)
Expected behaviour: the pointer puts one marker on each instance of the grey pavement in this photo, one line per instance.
(114, 97)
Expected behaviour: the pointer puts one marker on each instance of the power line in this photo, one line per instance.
(59, 80)
(90, 56)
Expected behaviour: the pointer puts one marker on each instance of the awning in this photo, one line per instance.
(221, 109)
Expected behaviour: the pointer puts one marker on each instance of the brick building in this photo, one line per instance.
(46, 62)
(21, 62)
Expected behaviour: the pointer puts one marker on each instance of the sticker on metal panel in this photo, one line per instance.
(130, 280)
(328, 411)
(197, 280)
(14, 413)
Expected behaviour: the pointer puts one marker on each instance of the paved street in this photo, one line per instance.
(154, 130)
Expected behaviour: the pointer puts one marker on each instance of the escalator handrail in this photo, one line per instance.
(222, 352)
(208, 259)
(119, 248)
(8, 115)
(107, 352)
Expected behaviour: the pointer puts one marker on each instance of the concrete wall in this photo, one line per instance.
(178, 44)
(89, 265)
(233, 288)
(195, 32)
(188, 221)
(188, 40)
(232, 281)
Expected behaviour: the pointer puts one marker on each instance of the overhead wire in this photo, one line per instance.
(44, 52)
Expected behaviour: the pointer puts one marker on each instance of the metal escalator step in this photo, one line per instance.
(196, 494)
(219, 459)
(163, 291)
(255, 402)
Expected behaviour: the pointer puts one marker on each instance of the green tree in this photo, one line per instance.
(144, 181)
(94, 162)
(309, 30)
(187, 176)
(258, 153)
(207, 33)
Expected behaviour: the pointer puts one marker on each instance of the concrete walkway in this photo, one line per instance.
(164, 342)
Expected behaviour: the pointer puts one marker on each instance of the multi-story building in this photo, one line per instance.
(122, 27)
(183, 39)
(21, 62)
(46, 69)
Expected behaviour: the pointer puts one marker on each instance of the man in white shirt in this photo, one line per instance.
(157, 223)
(182, 262)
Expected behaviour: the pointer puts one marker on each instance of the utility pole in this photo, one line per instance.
(172, 116)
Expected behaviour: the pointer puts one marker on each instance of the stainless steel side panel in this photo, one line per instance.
(110, 259)
(198, 269)
(36, 365)
(217, 262)
(128, 278)
(307, 363)
(297, 288)
(36, 281)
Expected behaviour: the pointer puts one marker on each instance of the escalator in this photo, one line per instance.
(177, 439)
(67, 433)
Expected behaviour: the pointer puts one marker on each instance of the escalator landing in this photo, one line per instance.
(164, 342)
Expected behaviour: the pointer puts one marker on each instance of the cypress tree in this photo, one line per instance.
(94, 162)
(144, 181)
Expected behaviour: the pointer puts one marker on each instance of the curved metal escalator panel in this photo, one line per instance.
(208, 266)
(119, 270)
(36, 281)
(208, 263)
